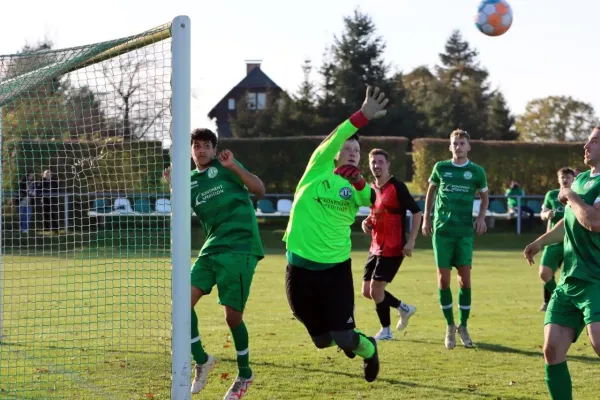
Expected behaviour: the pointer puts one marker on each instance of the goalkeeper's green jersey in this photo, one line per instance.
(457, 185)
(222, 203)
(582, 246)
(324, 208)
(551, 203)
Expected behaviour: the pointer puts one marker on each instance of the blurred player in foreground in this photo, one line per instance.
(575, 303)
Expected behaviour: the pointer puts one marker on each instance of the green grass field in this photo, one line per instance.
(79, 326)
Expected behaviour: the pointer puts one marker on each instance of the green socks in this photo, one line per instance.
(198, 352)
(464, 305)
(365, 348)
(559, 382)
(446, 304)
(550, 285)
(240, 340)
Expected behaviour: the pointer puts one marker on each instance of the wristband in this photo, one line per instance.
(360, 185)
(358, 119)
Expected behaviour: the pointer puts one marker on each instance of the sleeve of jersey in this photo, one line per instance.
(434, 179)
(406, 199)
(547, 203)
(234, 176)
(483, 186)
(366, 196)
(324, 155)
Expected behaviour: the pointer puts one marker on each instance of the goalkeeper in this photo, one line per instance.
(319, 283)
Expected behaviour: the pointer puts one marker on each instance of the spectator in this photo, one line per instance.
(513, 192)
(27, 194)
(49, 188)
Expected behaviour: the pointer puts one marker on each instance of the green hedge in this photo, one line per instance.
(280, 162)
(87, 166)
(534, 165)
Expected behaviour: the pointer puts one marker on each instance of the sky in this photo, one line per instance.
(551, 48)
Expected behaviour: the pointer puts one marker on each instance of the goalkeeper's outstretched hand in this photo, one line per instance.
(375, 103)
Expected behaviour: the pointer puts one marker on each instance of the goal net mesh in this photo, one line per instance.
(85, 271)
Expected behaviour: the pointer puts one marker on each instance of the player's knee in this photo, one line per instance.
(552, 353)
(443, 282)
(377, 293)
(346, 340)
(366, 290)
(322, 341)
(233, 318)
(545, 274)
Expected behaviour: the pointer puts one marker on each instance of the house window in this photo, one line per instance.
(251, 101)
(231, 104)
(261, 101)
(257, 101)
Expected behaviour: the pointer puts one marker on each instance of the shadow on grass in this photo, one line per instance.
(444, 389)
(498, 348)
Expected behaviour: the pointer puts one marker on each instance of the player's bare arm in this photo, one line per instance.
(555, 235)
(373, 107)
(412, 236)
(252, 182)
(479, 224)
(547, 214)
(588, 216)
(367, 225)
(429, 199)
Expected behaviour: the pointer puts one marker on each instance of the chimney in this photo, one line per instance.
(251, 64)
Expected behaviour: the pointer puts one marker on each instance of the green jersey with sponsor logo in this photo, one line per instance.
(457, 185)
(551, 203)
(324, 208)
(222, 203)
(582, 246)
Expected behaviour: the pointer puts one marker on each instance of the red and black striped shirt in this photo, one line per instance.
(388, 214)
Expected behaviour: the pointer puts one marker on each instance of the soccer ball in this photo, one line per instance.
(493, 17)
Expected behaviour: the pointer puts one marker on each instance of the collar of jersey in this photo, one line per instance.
(462, 165)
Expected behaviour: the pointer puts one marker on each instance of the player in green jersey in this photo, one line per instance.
(453, 185)
(220, 198)
(553, 211)
(319, 283)
(575, 302)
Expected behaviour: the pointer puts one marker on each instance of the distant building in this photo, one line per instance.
(255, 86)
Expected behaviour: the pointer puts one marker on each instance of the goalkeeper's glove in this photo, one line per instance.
(352, 174)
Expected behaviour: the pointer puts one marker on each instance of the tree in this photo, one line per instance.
(500, 120)
(557, 119)
(38, 112)
(85, 113)
(135, 94)
(458, 95)
(354, 61)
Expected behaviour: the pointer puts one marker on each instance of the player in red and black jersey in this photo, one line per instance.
(389, 244)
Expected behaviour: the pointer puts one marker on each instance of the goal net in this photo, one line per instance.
(86, 218)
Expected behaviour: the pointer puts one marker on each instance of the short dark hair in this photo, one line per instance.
(204, 135)
(460, 134)
(565, 171)
(354, 137)
(379, 152)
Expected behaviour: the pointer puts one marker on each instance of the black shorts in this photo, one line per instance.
(322, 300)
(380, 268)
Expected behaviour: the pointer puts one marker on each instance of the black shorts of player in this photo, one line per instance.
(322, 300)
(381, 268)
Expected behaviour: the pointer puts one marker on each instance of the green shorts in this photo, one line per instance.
(552, 256)
(574, 304)
(231, 272)
(450, 251)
